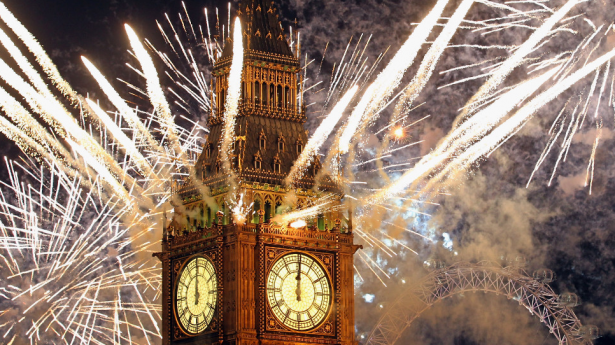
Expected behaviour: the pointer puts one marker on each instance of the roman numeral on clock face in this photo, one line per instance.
(292, 293)
(195, 295)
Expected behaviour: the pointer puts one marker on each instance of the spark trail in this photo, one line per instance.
(319, 137)
(127, 113)
(154, 91)
(516, 121)
(41, 56)
(515, 60)
(462, 140)
(71, 252)
(389, 78)
(430, 60)
(231, 104)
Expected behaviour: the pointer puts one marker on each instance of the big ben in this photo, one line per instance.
(256, 281)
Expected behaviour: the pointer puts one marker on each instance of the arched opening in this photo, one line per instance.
(256, 207)
(272, 95)
(265, 94)
(203, 216)
(280, 96)
(321, 222)
(217, 101)
(310, 223)
(257, 93)
(267, 211)
(209, 217)
(224, 214)
(287, 97)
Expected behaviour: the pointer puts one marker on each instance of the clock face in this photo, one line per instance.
(196, 292)
(299, 291)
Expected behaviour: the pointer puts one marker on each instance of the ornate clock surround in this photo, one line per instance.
(327, 260)
(177, 251)
(334, 250)
(178, 265)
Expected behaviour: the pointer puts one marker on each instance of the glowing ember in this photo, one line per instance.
(298, 224)
(399, 132)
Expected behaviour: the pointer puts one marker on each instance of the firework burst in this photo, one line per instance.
(76, 235)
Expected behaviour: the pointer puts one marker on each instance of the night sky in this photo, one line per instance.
(489, 213)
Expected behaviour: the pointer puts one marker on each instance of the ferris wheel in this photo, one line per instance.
(533, 292)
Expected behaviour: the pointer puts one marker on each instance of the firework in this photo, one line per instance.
(319, 136)
(431, 59)
(39, 53)
(76, 234)
(78, 259)
(376, 94)
(512, 62)
(515, 122)
(232, 99)
(154, 91)
(127, 113)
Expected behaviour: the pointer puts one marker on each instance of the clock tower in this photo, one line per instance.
(231, 274)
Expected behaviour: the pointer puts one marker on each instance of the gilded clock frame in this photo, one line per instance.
(327, 327)
(212, 327)
(329, 280)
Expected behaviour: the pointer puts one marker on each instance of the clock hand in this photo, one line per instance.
(298, 291)
(196, 288)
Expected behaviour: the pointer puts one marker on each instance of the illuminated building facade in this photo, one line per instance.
(235, 276)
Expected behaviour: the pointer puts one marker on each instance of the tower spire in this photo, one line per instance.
(262, 31)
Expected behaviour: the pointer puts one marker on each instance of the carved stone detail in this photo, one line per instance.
(271, 254)
(230, 277)
(230, 306)
(327, 327)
